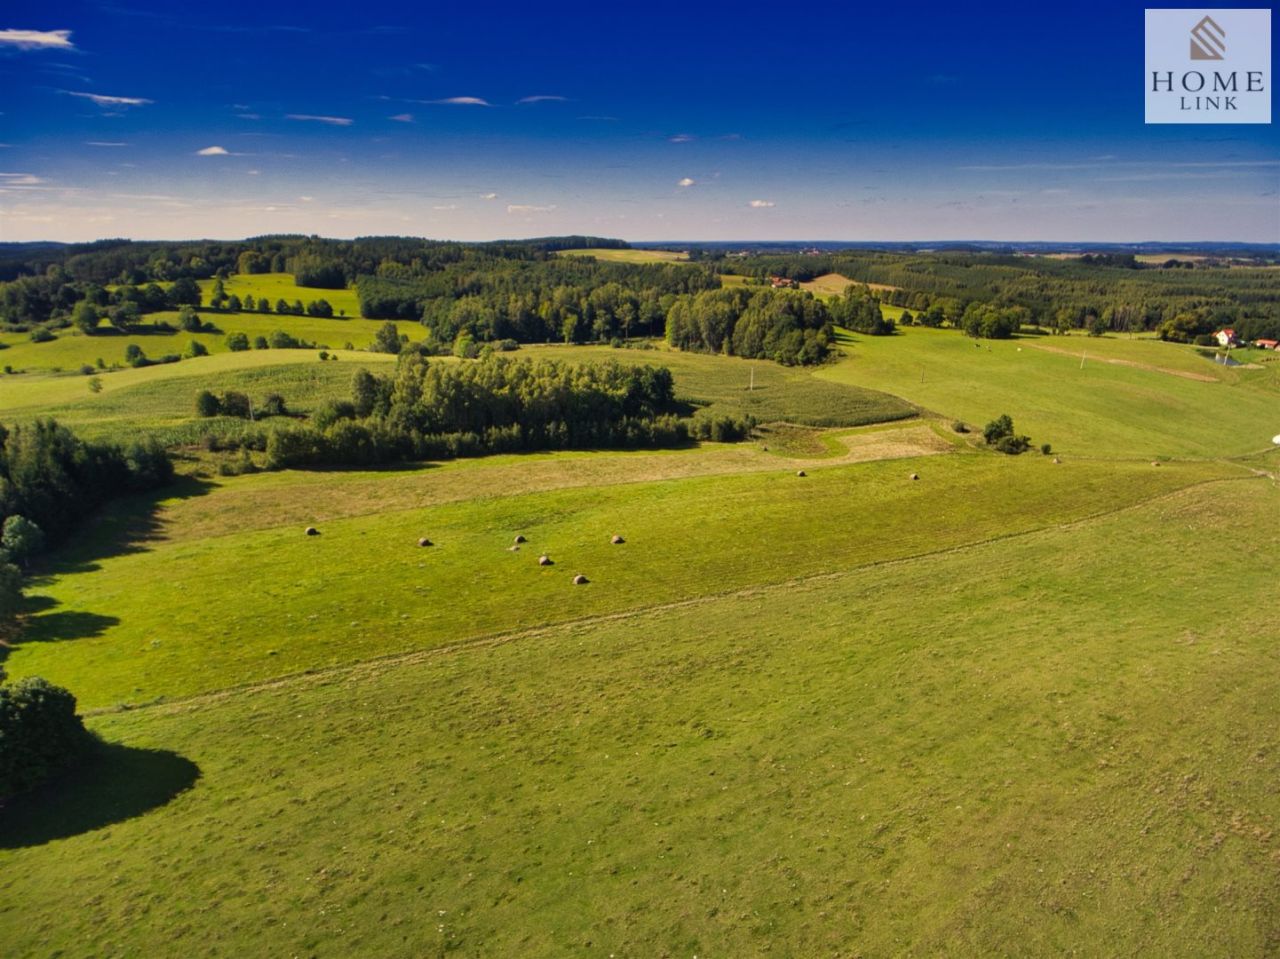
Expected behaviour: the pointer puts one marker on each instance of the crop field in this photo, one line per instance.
(630, 256)
(834, 284)
(923, 699)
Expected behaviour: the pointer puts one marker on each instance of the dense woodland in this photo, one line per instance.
(431, 410)
(522, 291)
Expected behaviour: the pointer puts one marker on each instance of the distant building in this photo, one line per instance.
(1267, 344)
(1227, 338)
(783, 283)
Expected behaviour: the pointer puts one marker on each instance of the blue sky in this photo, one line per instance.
(653, 121)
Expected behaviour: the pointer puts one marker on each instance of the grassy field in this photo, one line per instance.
(217, 611)
(765, 390)
(277, 286)
(1104, 396)
(630, 256)
(838, 767)
(924, 700)
(72, 350)
(834, 284)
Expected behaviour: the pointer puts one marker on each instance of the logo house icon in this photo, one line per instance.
(1208, 40)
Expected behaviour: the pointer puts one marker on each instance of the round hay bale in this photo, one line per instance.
(915, 476)
(1155, 462)
(312, 531)
(616, 540)
(580, 580)
(545, 560)
(1056, 460)
(801, 473)
(425, 542)
(520, 539)
(513, 549)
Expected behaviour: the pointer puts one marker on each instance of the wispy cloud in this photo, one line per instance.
(249, 116)
(687, 181)
(761, 204)
(528, 208)
(19, 179)
(311, 117)
(488, 196)
(102, 100)
(600, 119)
(37, 39)
(543, 98)
(104, 143)
(402, 118)
(459, 102)
(682, 138)
(446, 206)
(214, 151)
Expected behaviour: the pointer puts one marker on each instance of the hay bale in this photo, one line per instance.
(801, 473)
(580, 580)
(312, 531)
(915, 476)
(425, 542)
(513, 549)
(1056, 460)
(545, 560)
(520, 539)
(1155, 462)
(616, 540)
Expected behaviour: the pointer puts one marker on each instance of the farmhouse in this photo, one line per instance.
(783, 283)
(1267, 344)
(1227, 338)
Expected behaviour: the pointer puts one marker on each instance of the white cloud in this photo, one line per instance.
(527, 208)
(331, 121)
(687, 181)
(542, 98)
(761, 204)
(37, 39)
(252, 172)
(402, 118)
(461, 101)
(214, 151)
(19, 179)
(249, 116)
(682, 138)
(488, 196)
(446, 206)
(103, 100)
(306, 199)
(104, 143)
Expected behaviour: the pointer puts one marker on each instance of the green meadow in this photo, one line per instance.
(924, 699)
(1087, 396)
(283, 286)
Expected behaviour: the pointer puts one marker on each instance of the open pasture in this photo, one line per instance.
(1062, 390)
(918, 757)
(630, 256)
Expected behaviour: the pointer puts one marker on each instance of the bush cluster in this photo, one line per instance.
(40, 733)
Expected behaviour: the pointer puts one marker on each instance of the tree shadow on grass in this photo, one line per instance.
(112, 784)
(55, 627)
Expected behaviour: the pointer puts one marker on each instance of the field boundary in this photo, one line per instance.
(372, 665)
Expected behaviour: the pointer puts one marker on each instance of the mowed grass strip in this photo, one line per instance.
(171, 619)
(1019, 748)
(1095, 409)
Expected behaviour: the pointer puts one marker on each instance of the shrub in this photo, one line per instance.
(195, 348)
(134, 356)
(42, 335)
(21, 538)
(274, 405)
(960, 426)
(39, 733)
(236, 404)
(1046, 449)
(207, 404)
(237, 342)
(260, 343)
(188, 321)
(1013, 445)
(997, 429)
